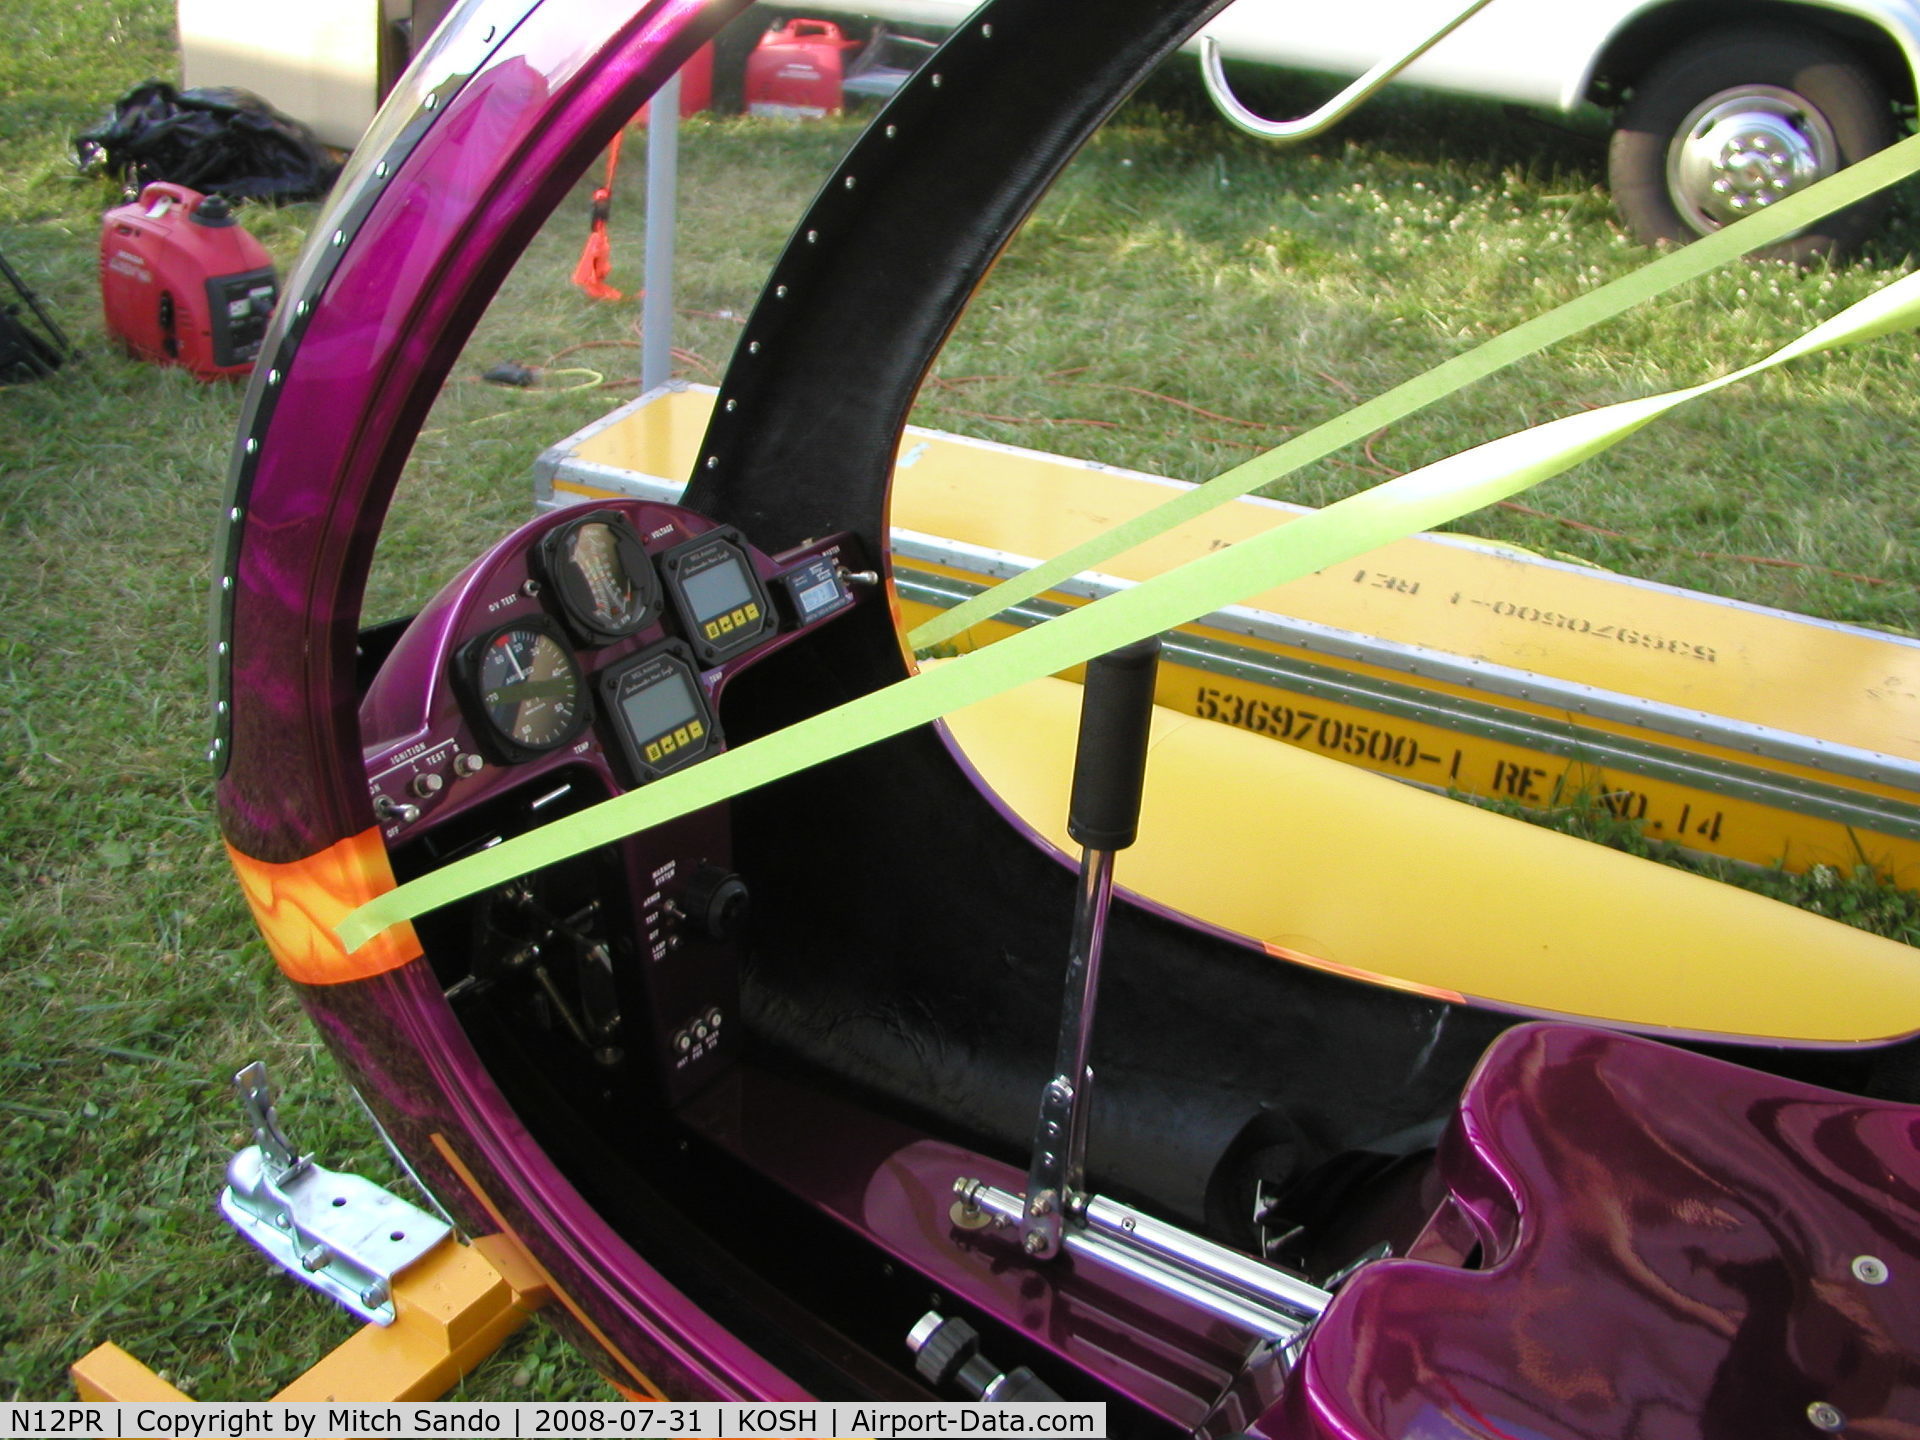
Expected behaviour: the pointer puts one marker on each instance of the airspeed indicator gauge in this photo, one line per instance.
(522, 689)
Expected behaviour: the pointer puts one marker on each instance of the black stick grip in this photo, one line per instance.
(1111, 761)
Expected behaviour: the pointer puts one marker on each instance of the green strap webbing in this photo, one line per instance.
(1414, 502)
(1755, 232)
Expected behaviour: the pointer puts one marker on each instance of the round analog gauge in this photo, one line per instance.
(528, 688)
(604, 580)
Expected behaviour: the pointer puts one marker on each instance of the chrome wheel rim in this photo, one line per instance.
(1744, 149)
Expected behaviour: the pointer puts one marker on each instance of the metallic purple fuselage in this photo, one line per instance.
(1660, 1245)
(1665, 1243)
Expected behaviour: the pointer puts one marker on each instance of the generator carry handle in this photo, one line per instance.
(799, 28)
(155, 193)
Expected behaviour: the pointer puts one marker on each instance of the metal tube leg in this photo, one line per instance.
(1057, 1172)
(663, 176)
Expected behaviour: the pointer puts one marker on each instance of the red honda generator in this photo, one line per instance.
(794, 72)
(183, 284)
(806, 69)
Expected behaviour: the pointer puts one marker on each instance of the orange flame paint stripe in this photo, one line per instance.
(1354, 972)
(297, 905)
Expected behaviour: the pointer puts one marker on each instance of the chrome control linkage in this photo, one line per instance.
(1109, 769)
(1057, 1213)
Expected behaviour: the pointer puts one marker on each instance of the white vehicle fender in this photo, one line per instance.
(1897, 20)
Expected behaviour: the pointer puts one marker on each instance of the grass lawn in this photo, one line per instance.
(1177, 262)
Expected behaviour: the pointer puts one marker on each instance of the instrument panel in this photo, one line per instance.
(585, 655)
(605, 635)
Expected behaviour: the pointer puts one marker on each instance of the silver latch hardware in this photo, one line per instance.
(340, 1233)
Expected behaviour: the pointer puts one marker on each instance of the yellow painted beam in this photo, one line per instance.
(452, 1309)
(1745, 824)
(108, 1373)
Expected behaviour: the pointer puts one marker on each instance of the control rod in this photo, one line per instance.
(1109, 767)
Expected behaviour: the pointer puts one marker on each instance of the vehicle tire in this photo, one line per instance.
(1737, 119)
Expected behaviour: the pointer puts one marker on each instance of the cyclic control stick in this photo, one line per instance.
(1109, 766)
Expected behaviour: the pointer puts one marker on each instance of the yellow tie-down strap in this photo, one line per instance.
(1416, 501)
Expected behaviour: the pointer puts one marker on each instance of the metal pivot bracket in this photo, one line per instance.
(339, 1233)
(1214, 75)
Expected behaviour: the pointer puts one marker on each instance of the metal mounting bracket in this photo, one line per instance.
(339, 1233)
